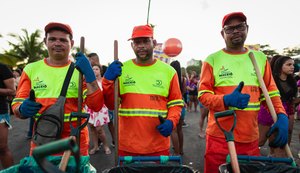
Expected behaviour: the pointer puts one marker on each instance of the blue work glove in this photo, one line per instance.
(236, 98)
(84, 66)
(165, 128)
(281, 127)
(30, 107)
(114, 70)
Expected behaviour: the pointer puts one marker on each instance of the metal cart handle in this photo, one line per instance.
(228, 134)
(162, 159)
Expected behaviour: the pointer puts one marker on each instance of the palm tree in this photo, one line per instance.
(291, 51)
(8, 60)
(28, 47)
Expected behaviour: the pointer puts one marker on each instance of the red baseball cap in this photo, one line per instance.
(232, 15)
(62, 26)
(142, 31)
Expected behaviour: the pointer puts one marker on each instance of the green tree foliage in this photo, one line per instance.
(27, 46)
(183, 71)
(266, 49)
(291, 51)
(8, 60)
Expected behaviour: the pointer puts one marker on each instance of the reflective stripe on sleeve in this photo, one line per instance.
(271, 94)
(178, 102)
(17, 100)
(200, 93)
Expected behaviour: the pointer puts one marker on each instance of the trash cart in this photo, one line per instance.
(42, 160)
(250, 164)
(151, 164)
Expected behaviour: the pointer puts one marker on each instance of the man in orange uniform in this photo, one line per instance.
(148, 88)
(46, 78)
(221, 89)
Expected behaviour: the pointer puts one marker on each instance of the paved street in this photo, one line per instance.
(193, 147)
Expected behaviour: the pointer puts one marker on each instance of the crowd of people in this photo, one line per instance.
(153, 103)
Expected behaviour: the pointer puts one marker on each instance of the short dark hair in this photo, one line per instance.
(97, 66)
(104, 68)
(18, 71)
(176, 66)
(92, 54)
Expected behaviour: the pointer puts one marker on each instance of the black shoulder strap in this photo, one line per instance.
(64, 89)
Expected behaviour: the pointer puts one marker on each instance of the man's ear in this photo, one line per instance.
(72, 43)
(45, 39)
(131, 45)
(222, 33)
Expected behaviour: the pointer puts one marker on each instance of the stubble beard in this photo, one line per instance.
(236, 44)
(146, 58)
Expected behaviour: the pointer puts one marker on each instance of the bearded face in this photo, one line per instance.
(235, 33)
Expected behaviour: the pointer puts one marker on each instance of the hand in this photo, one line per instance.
(281, 127)
(165, 128)
(29, 107)
(236, 98)
(114, 70)
(84, 66)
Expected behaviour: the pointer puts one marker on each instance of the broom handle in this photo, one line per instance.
(80, 98)
(233, 157)
(65, 158)
(67, 154)
(116, 107)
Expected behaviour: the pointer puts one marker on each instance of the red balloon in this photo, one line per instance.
(172, 47)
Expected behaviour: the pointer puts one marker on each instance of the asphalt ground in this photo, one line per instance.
(194, 146)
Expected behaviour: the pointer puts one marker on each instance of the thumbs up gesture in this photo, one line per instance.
(236, 98)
